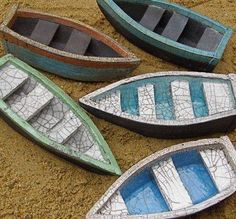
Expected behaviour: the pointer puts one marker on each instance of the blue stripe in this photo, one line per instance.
(163, 95)
(129, 100)
(142, 195)
(195, 176)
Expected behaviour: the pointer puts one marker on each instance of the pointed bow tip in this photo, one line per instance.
(117, 171)
(135, 60)
(83, 100)
(114, 169)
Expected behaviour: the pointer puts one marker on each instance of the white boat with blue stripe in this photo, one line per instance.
(178, 181)
(168, 104)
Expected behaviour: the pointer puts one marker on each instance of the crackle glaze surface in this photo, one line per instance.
(166, 99)
(174, 97)
(28, 98)
(178, 181)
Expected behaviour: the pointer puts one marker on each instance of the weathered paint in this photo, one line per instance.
(66, 64)
(64, 69)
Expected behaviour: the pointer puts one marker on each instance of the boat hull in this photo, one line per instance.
(63, 69)
(224, 124)
(47, 146)
(188, 59)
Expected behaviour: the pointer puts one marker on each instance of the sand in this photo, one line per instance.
(37, 184)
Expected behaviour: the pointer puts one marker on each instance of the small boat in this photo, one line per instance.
(168, 104)
(175, 182)
(169, 31)
(64, 47)
(40, 110)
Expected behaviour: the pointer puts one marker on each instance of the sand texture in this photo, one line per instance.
(37, 184)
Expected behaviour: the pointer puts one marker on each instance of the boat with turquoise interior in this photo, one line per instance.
(169, 31)
(168, 104)
(178, 181)
(41, 111)
(64, 47)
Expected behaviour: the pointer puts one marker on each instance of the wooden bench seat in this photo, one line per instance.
(210, 40)
(44, 32)
(175, 27)
(78, 42)
(152, 17)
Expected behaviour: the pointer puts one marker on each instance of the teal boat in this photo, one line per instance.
(40, 110)
(169, 31)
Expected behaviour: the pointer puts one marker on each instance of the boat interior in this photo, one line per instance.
(181, 181)
(61, 37)
(172, 25)
(45, 112)
(169, 98)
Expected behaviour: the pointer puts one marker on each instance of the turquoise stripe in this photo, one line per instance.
(198, 98)
(129, 100)
(155, 40)
(163, 100)
(163, 96)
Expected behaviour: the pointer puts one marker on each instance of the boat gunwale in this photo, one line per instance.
(217, 54)
(223, 143)
(87, 99)
(128, 59)
(110, 167)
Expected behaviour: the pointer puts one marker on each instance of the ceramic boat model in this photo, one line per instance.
(178, 181)
(169, 31)
(43, 112)
(168, 104)
(69, 49)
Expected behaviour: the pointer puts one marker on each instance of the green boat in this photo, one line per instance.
(40, 110)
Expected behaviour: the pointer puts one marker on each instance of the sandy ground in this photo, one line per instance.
(37, 184)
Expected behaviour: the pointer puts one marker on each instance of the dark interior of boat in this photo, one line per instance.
(62, 37)
(173, 25)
